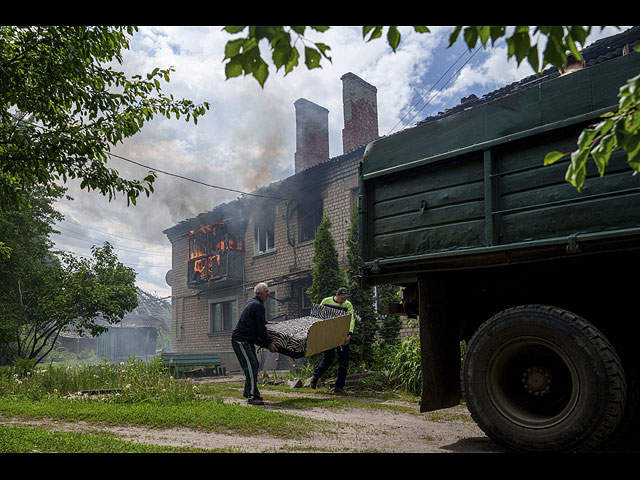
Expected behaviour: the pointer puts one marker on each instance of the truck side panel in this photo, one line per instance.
(474, 183)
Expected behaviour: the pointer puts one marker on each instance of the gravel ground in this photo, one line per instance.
(358, 430)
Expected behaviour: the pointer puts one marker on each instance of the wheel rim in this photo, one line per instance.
(532, 382)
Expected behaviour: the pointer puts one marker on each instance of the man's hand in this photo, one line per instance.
(347, 340)
(273, 348)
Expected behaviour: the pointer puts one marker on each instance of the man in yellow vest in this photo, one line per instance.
(338, 300)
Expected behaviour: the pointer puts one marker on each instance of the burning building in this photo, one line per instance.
(219, 256)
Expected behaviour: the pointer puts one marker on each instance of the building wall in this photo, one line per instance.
(280, 268)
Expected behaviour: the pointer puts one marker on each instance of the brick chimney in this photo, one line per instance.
(312, 134)
(360, 105)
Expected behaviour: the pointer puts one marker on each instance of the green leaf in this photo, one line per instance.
(554, 53)
(311, 58)
(375, 32)
(471, 36)
(632, 148)
(393, 37)
(261, 72)
(233, 29)
(233, 47)
(233, 68)
(552, 157)
(453, 36)
(602, 152)
(577, 171)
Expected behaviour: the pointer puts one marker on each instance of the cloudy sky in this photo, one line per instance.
(247, 138)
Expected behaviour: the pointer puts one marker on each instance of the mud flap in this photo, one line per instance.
(440, 347)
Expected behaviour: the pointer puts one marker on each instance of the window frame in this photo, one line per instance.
(232, 314)
(264, 225)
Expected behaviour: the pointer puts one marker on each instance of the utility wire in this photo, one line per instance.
(114, 235)
(421, 98)
(166, 173)
(93, 240)
(129, 264)
(439, 89)
(191, 179)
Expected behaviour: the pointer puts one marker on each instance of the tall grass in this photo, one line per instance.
(128, 382)
(405, 365)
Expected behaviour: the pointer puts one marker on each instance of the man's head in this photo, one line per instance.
(261, 291)
(341, 295)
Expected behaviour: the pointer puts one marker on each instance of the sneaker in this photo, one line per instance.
(338, 390)
(255, 401)
(314, 382)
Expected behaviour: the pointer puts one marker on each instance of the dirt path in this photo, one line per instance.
(359, 429)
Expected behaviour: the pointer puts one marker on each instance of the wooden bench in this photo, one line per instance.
(177, 361)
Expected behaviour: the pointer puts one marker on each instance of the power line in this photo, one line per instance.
(93, 240)
(163, 172)
(191, 179)
(439, 89)
(421, 98)
(114, 235)
(124, 263)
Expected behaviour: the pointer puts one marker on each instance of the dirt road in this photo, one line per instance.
(359, 429)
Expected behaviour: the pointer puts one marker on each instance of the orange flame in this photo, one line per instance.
(207, 245)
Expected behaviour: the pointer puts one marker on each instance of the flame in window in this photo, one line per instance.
(207, 246)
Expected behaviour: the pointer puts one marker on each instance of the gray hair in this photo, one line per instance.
(260, 287)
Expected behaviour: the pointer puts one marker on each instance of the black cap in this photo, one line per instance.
(343, 292)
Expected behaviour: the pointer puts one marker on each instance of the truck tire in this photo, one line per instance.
(540, 379)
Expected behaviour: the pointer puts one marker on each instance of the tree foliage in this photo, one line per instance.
(328, 274)
(374, 327)
(44, 293)
(363, 300)
(62, 106)
(616, 131)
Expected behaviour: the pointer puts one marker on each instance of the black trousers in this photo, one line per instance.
(343, 364)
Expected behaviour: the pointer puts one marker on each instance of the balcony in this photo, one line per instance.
(220, 269)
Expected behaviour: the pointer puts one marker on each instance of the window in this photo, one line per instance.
(263, 231)
(270, 307)
(305, 301)
(309, 217)
(223, 316)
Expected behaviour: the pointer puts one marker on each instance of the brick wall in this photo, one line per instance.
(360, 106)
(312, 134)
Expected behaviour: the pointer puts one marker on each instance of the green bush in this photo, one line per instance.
(405, 365)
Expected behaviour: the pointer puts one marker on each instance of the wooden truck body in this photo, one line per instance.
(496, 249)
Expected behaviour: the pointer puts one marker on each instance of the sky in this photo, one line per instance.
(247, 138)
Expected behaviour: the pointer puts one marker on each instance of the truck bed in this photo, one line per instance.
(470, 189)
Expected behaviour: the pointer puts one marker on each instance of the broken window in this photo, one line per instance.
(264, 231)
(309, 217)
(207, 246)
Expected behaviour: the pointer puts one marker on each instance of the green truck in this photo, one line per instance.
(497, 250)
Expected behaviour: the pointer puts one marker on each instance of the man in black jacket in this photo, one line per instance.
(251, 330)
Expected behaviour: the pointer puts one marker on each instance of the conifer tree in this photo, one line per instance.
(328, 274)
